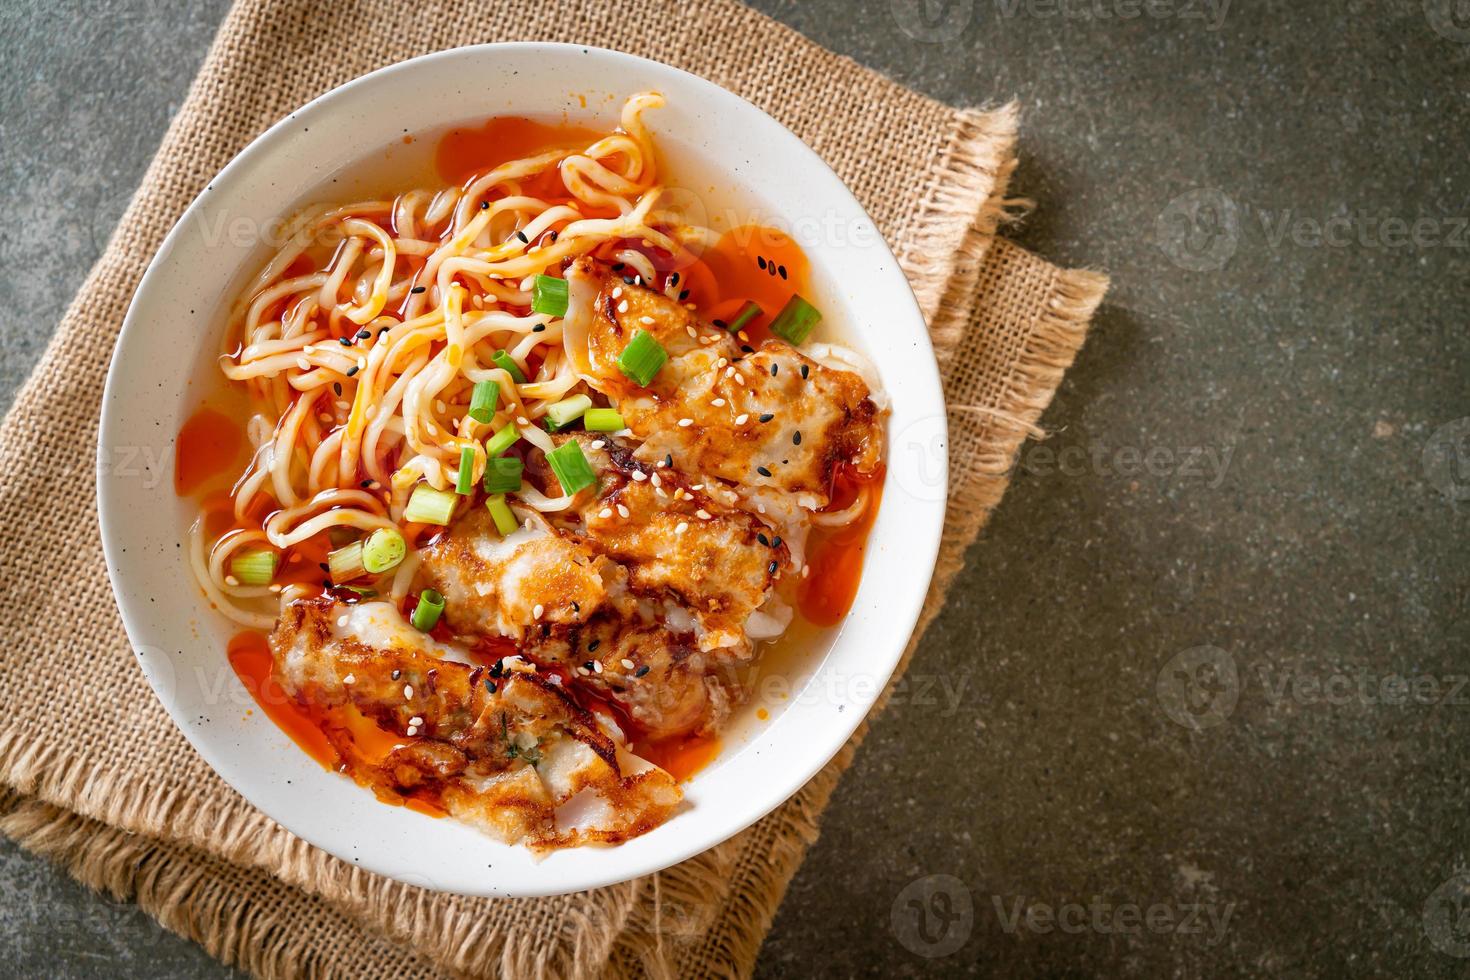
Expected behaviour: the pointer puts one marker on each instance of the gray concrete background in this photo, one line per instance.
(1178, 651)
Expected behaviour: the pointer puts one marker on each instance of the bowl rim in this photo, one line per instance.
(922, 540)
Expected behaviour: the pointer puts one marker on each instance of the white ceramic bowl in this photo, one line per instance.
(165, 358)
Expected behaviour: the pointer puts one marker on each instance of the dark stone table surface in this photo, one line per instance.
(1198, 705)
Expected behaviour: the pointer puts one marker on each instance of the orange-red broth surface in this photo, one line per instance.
(751, 262)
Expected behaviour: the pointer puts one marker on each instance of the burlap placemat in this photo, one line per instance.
(97, 777)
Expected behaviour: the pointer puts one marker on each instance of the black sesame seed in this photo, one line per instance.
(721, 324)
(776, 541)
(763, 471)
(490, 685)
(522, 236)
(587, 665)
(352, 370)
(365, 483)
(760, 260)
(771, 568)
(576, 608)
(782, 270)
(345, 341)
(771, 270)
(673, 279)
(641, 671)
(484, 205)
(668, 459)
(763, 539)
(551, 236)
(618, 267)
(774, 369)
(337, 388)
(592, 647)
(796, 437)
(323, 566)
(545, 630)
(627, 280)
(364, 334)
(538, 328)
(497, 669)
(418, 289)
(396, 674)
(766, 416)
(747, 348)
(683, 295)
(805, 370)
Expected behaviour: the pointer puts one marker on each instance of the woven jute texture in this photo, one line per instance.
(94, 774)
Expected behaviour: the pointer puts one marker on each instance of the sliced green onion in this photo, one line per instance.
(795, 321)
(427, 610)
(254, 567)
(429, 506)
(505, 521)
(502, 440)
(571, 468)
(345, 564)
(642, 358)
(565, 412)
(550, 296)
(602, 420)
(382, 550)
(464, 482)
(484, 400)
(503, 474)
(747, 313)
(502, 360)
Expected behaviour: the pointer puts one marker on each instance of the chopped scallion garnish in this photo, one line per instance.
(503, 361)
(795, 321)
(566, 411)
(500, 512)
(464, 483)
(550, 296)
(427, 505)
(642, 358)
(571, 468)
(742, 319)
(254, 567)
(345, 564)
(602, 420)
(427, 610)
(484, 399)
(503, 474)
(382, 550)
(502, 440)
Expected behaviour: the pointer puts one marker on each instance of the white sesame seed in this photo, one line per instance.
(702, 514)
(350, 679)
(718, 403)
(361, 363)
(639, 476)
(729, 372)
(806, 570)
(308, 349)
(416, 720)
(408, 692)
(596, 666)
(739, 378)
(598, 443)
(690, 331)
(622, 511)
(654, 480)
(681, 527)
(324, 416)
(341, 620)
(273, 587)
(303, 364)
(623, 307)
(617, 291)
(697, 486)
(659, 491)
(627, 664)
(537, 611)
(522, 420)
(722, 362)
(439, 406)
(645, 319)
(741, 419)
(231, 580)
(431, 428)
(605, 513)
(685, 423)
(411, 730)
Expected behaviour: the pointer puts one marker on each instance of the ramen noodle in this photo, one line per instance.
(532, 471)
